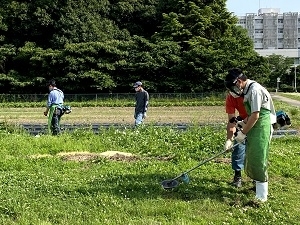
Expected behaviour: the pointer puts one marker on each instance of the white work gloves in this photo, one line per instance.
(240, 137)
(228, 145)
(240, 124)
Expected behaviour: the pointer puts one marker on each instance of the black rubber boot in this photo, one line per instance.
(237, 179)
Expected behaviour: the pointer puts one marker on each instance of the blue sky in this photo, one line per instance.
(241, 7)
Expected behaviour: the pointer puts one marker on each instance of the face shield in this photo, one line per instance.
(236, 90)
(231, 85)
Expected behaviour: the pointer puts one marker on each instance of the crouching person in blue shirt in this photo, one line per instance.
(54, 108)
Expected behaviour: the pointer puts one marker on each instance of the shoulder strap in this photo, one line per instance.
(249, 87)
(56, 89)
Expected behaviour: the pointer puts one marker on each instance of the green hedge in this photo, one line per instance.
(117, 103)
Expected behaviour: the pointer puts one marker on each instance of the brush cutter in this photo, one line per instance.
(170, 184)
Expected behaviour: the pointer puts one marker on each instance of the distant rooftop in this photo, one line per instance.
(268, 10)
(262, 11)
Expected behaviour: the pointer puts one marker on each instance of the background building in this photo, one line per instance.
(274, 33)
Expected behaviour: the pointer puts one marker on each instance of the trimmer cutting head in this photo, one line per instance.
(169, 184)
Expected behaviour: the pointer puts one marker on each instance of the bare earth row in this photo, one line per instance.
(122, 115)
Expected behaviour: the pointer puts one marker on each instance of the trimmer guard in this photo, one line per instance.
(169, 184)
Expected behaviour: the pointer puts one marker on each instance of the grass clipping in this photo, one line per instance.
(111, 155)
(89, 156)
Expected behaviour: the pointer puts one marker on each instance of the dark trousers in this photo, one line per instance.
(55, 127)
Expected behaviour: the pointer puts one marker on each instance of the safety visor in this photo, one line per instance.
(235, 90)
(231, 86)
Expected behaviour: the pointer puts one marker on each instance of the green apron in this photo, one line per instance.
(257, 146)
(50, 115)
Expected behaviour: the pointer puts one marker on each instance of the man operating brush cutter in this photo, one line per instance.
(257, 127)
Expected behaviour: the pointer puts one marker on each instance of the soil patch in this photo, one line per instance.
(38, 156)
(88, 156)
(110, 155)
(223, 160)
(124, 158)
(78, 156)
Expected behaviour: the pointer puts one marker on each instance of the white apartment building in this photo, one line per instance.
(274, 33)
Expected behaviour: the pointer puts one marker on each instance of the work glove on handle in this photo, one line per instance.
(228, 145)
(240, 124)
(240, 137)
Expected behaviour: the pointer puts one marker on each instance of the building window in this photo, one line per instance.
(259, 31)
(258, 21)
(280, 30)
(242, 22)
(280, 40)
(258, 40)
(280, 21)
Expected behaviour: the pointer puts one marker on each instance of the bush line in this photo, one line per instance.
(114, 104)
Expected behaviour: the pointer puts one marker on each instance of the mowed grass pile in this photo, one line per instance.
(52, 190)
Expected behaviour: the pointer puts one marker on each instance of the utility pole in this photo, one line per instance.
(278, 81)
(295, 77)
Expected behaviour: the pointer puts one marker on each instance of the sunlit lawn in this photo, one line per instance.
(38, 186)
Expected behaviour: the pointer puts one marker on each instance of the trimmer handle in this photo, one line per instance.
(235, 120)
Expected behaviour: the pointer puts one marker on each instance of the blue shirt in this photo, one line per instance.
(55, 96)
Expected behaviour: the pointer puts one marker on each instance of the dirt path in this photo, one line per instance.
(287, 100)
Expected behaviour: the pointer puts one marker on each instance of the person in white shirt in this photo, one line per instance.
(256, 128)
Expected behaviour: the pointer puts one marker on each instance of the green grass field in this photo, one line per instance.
(295, 96)
(40, 185)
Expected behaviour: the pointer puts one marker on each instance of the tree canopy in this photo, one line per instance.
(105, 46)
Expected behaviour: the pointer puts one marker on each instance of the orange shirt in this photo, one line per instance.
(233, 104)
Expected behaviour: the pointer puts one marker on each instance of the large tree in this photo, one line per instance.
(210, 43)
(279, 67)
